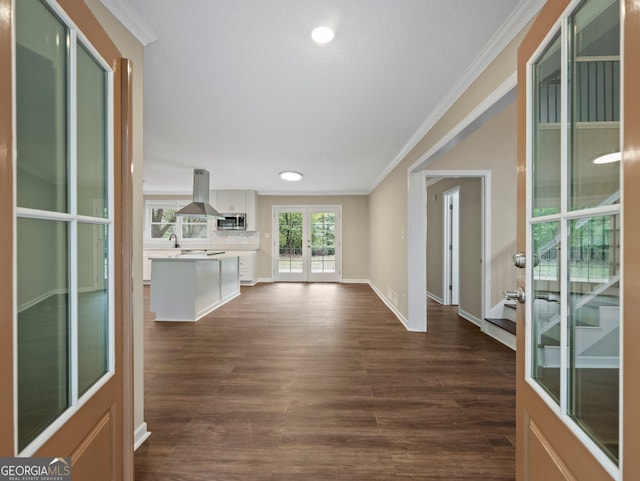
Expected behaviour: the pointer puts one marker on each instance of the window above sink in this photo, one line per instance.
(161, 222)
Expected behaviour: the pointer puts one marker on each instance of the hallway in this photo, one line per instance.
(321, 382)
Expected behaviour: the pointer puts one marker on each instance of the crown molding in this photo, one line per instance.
(131, 20)
(515, 23)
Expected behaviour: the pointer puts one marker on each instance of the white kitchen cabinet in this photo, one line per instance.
(146, 266)
(188, 288)
(232, 201)
(251, 210)
(236, 202)
(148, 254)
(247, 268)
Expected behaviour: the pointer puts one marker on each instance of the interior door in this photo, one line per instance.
(574, 166)
(67, 389)
(307, 245)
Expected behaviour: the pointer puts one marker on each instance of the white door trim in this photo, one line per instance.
(502, 96)
(451, 246)
(417, 240)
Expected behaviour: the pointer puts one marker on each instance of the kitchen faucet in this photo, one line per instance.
(176, 245)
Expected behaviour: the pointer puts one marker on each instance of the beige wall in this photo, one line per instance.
(470, 271)
(388, 237)
(388, 244)
(130, 48)
(355, 230)
(493, 148)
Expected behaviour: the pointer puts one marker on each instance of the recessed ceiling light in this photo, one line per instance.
(608, 159)
(322, 35)
(290, 175)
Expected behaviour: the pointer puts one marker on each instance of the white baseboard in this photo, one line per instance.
(140, 435)
(500, 335)
(343, 281)
(388, 303)
(470, 317)
(438, 299)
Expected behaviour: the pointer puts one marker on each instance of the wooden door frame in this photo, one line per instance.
(565, 444)
(128, 448)
(122, 385)
(7, 217)
(631, 230)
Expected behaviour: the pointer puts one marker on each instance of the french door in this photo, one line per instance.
(65, 388)
(307, 243)
(577, 197)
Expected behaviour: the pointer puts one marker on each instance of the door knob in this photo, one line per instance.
(517, 295)
(520, 260)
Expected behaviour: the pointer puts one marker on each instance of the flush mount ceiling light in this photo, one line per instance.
(322, 35)
(290, 175)
(608, 158)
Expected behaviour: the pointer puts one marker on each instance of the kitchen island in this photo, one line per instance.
(188, 286)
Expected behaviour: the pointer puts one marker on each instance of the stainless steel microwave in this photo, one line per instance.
(233, 222)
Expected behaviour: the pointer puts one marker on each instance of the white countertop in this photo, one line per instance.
(200, 255)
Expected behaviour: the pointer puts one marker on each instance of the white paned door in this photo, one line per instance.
(307, 243)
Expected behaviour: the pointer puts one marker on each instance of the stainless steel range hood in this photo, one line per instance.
(200, 206)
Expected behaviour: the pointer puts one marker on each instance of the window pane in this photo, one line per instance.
(323, 236)
(93, 304)
(163, 222)
(41, 108)
(594, 313)
(595, 90)
(546, 131)
(546, 307)
(43, 325)
(194, 228)
(92, 137)
(290, 245)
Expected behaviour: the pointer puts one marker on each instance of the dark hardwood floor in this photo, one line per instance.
(321, 382)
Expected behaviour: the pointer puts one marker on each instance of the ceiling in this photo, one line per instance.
(239, 87)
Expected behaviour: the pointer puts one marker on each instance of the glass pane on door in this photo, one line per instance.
(595, 105)
(92, 136)
(93, 304)
(290, 253)
(546, 131)
(545, 307)
(41, 108)
(43, 325)
(594, 331)
(323, 238)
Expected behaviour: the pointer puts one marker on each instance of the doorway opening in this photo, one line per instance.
(457, 221)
